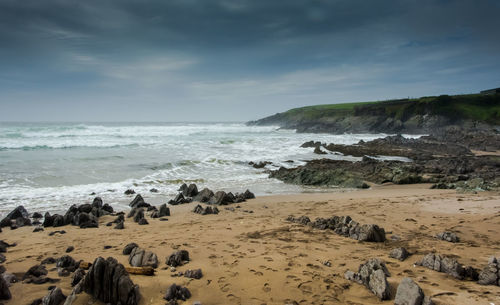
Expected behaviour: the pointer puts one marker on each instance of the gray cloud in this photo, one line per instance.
(235, 60)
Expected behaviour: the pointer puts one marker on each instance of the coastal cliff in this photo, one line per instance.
(412, 116)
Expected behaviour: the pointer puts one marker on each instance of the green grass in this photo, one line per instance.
(471, 106)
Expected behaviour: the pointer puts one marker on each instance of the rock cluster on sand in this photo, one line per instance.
(108, 281)
(345, 226)
(175, 293)
(449, 266)
(409, 293)
(37, 275)
(178, 258)
(448, 236)
(490, 275)
(205, 210)
(372, 274)
(190, 193)
(18, 217)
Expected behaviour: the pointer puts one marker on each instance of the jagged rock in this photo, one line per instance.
(16, 218)
(194, 274)
(35, 271)
(139, 258)
(204, 195)
(55, 297)
(4, 289)
(36, 215)
(138, 202)
(490, 275)
(66, 262)
(108, 281)
(448, 236)
(373, 275)
(222, 198)
(447, 265)
(164, 211)
(58, 220)
(248, 194)
(120, 226)
(48, 220)
(128, 248)
(86, 208)
(175, 293)
(180, 199)
(190, 191)
(399, 253)
(409, 293)
(204, 211)
(139, 214)
(178, 258)
(77, 276)
(97, 203)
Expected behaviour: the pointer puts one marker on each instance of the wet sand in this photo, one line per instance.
(259, 258)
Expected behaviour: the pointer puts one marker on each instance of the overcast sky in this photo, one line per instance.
(235, 60)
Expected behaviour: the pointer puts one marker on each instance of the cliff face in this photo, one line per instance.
(413, 116)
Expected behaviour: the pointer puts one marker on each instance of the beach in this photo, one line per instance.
(250, 254)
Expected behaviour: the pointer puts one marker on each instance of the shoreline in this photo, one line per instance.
(259, 258)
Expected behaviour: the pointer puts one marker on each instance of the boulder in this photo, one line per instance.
(399, 253)
(190, 191)
(35, 271)
(221, 198)
(129, 192)
(55, 297)
(490, 275)
(194, 274)
(164, 211)
(248, 194)
(86, 208)
(97, 203)
(58, 220)
(77, 277)
(108, 281)
(120, 226)
(16, 218)
(448, 236)
(447, 265)
(138, 202)
(141, 258)
(4, 289)
(204, 195)
(143, 221)
(48, 220)
(139, 214)
(36, 215)
(175, 292)
(66, 262)
(178, 258)
(373, 275)
(409, 293)
(129, 247)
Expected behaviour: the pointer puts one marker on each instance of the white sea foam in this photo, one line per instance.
(49, 166)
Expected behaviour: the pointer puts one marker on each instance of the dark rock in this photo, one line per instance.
(9, 278)
(139, 202)
(36, 215)
(19, 212)
(373, 275)
(97, 203)
(178, 258)
(4, 289)
(204, 195)
(55, 297)
(190, 191)
(248, 194)
(409, 293)
(204, 211)
(77, 276)
(179, 199)
(48, 261)
(37, 229)
(139, 214)
(129, 192)
(55, 232)
(260, 164)
(155, 214)
(2, 258)
(37, 302)
(128, 248)
(399, 253)
(69, 249)
(143, 221)
(119, 219)
(164, 211)
(175, 293)
(58, 221)
(448, 236)
(139, 258)
(35, 272)
(194, 274)
(221, 198)
(86, 208)
(109, 282)
(120, 226)
(153, 190)
(48, 220)
(68, 263)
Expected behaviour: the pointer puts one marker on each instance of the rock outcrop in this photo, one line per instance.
(205, 210)
(344, 226)
(178, 258)
(108, 281)
(490, 275)
(139, 258)
(409, 293)
(449, 266)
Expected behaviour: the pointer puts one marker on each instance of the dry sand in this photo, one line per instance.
(259, 258)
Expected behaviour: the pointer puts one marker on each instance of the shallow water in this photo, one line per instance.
(48, 166)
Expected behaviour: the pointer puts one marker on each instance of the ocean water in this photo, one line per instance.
(48, 166)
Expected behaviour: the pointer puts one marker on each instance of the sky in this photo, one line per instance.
(236, 60)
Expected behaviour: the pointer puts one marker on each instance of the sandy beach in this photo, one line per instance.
(253, 256)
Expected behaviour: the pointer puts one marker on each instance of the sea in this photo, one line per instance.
(50, 166)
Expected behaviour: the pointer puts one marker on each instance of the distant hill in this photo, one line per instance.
(420, 115)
